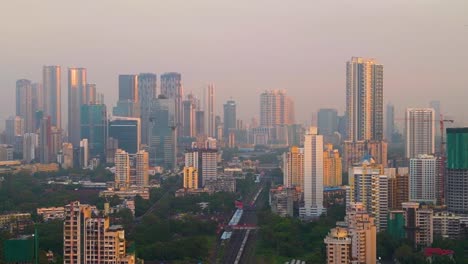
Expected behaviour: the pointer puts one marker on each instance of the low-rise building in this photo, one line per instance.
(51, 213)
(447, 225)
(282, 201)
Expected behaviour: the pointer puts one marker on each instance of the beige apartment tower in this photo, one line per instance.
(142, 167)
(293, 168)
(338, 243)
(331, 167)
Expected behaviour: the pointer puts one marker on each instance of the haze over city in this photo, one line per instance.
(244, 48)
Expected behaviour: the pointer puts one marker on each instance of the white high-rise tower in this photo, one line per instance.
(419, 132)
(313, 175)
(210, 111)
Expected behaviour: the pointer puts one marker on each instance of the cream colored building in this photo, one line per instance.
(332, 170)
(122, 169)
(363, 232)
(190, 178)
(142, 168)
(293, 168)
(338, 243)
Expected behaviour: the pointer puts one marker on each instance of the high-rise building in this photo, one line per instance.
(76, 98)
(51, 84)
(313, 175)
(398, 189)
(190, 178)
(354, 151)
(73, 237)
(189, 116)
(163, 139)
(435, 104)
(457, 170)
(37, 97)
(327, 121)
(364, 99)
(418, 224)
(369, 187)
(293, 168)
(332, 170)
(419, 132)
(389, 122)
(171, 88)
(447, 225)
(128, 87)
(363, 231)
(142, 167)
(94, 128)
(210, 111)
(67, 152)
(230, 118)
(122, 169)
(84, 153)
(276, 108)
(24, 104)
(423, 179)
(396, 224)
(56, 137)
(126, 130)
(45, 140)
(147, 85)
(14, 127)
(6, 152)
(200, 122)
(90, 94)
(204, 160)
(30, 145)
(338, 243)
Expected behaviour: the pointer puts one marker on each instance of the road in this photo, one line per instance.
(240, 246)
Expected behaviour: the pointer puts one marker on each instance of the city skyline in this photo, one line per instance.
(295, 72)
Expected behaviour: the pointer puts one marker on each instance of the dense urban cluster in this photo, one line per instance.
(164, 178)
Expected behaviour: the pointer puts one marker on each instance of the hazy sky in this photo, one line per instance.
(244, 47)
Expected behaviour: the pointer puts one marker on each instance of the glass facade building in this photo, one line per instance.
(94, 128)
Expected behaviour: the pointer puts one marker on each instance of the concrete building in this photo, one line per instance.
(73, 237)
(389, 122)
(398, 190)
(282, 201)
(171, 88)
(355, 150)
(363, 232)
(447, 225)
(76, 98)
(127, 131)
(147, 91)
(45, 141)
(457, 170)
(332, 170)
(51, 81)
(423, 179)
(6, 152)
(163, 139)
(84, 153)
(189, 108)
(190, 178)
(419, 132)
(418, 224)
(369, 187)
(293, 168)
(364, 99)
(128, 87)
(24, 104)
(122, 169)
(30, 146)
(14, 127)
(327, 121)
(396, 224)
(338, 243)
(67, 152)
(313, 176)
(205, 161)
(230, 117)
(210, 114)
(276, 108)
(94, 128)
(142, 168)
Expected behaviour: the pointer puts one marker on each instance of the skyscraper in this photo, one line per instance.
(189, 116)
(419, 131)
(128, 87)
(37, 97)
(45, 140)
(162, 137)
(91, 94)
(94, 128)
(73, 238)
(230, 118)
(147, 85)
(276, 108)
(293, 168)
(126, 131)
(142, 167)
(363, 231)
(51, 84)
(171, 87)
(14, 127)
(84, 153)
(389, 122)
(435, 104)
(364, 99)
(457, 170)
(327, 121)
(76, 98)
(122, 169)
(418, 224)
(30, 145)
(313, 175)
(204, 160)
(24, 104)
(210, 111)
(423, 179)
